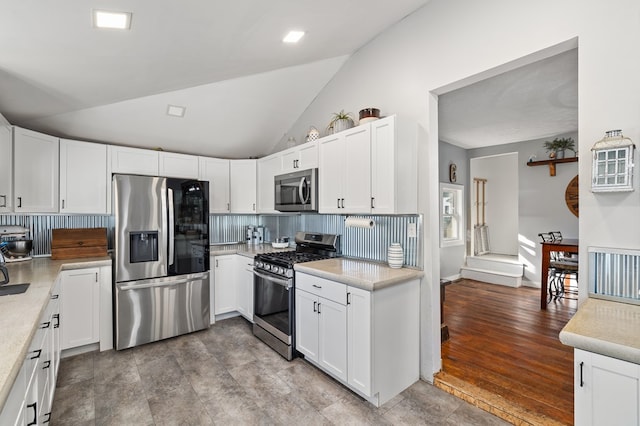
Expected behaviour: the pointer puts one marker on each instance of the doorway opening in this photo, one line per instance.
(490, 129)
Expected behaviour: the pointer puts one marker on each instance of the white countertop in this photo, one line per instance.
(247, 250)
(362, 274)
(20, 313)
(607, 328)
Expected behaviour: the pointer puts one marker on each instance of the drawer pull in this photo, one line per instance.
(55, 296)
(45, 324)
(317, 286)
(46, 365)
(37, 353)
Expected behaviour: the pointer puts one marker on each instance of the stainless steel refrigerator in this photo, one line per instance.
(161, 269)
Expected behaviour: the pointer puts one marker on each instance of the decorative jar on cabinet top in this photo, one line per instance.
(395, 255)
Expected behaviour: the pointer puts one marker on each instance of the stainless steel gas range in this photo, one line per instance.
(274, 289)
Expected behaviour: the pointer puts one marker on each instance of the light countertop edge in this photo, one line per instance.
(607, 328)
(362, 274)
(22, 312)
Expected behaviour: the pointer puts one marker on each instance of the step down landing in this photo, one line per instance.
(495, 269)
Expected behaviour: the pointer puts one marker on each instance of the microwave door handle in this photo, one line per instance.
(301, 187)
(171, 225)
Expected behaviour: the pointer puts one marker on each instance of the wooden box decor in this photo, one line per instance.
(78, 243)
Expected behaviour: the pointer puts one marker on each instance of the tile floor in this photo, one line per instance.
(225, 376)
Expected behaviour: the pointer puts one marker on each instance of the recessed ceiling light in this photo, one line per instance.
(175, 110)
(293, 36)
(117, 20)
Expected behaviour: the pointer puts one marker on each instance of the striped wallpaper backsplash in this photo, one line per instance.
(615, 273)
(362, 243)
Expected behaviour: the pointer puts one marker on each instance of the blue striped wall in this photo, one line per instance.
(369, 244)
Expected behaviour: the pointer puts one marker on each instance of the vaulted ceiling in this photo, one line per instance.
(224, 61)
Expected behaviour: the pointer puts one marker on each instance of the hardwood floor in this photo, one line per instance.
(503, 343)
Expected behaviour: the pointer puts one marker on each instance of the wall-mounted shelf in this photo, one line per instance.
(552, 163)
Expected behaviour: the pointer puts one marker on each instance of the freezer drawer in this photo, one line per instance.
(150, 310)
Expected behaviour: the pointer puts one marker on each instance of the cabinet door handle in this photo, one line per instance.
(96, 277)
(4, 201)
(254, 207)
(35, 414)
(348, 298)
(314, 306)
(57, 318)
(581, 377)
(216, 263)
(373, 203)
(46, 365)
(45, 324)
(55, 296)
(228, 207)
(342, 202)
(63, 204)
(19, 202)
(338, 202)
(37, 353)
(47, 418)
(318, 308)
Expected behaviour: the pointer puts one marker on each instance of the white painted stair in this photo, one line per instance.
(495, 269)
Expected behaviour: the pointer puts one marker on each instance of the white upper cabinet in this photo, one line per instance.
(370, 168)
(301, 157)
(216, 171)
(134, 161)
(35, 172)
(6, 169)
(394, 166)
(171, 164)
(83, 177)
(243, 186)
(344, 173)
(268, 168)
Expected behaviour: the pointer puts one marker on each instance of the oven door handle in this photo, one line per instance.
(285, 282)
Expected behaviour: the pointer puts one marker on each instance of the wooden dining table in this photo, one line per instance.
(565, 245)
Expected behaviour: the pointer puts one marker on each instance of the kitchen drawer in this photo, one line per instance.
(322, 287)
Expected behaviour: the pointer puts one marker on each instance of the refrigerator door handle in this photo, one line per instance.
(123, 286)
(171, 225)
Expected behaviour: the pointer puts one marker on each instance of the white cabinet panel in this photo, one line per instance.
(307, 332)
(607, 390)
(134, 161)
(80, 308)
(225, 299)
(301, 157)
(244, 287)
(359, 339)
(268, 168)
(332, 331)
(35, 172)
(243, 186)
(83, 177)
(357, 171)
(331, 163)
(216, 171)
(171, 164)
(6, 169)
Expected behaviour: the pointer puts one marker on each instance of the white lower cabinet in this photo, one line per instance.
(29, 401)
(80, 313)
(606, 390)
(368, 340)
(224, 284)
(244, 287)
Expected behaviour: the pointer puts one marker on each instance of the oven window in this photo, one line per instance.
(271, 303)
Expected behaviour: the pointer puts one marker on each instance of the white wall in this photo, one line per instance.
(541, 203)
(453, 258)
(451, 43)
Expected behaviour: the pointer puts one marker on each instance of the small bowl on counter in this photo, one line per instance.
(282, 242)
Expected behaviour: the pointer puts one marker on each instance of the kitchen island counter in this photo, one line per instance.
(21, 312)
(607, 328)
(362, 274)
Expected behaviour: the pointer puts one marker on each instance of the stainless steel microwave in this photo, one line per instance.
(297, 191)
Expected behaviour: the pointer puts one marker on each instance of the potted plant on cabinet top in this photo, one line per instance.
(340, 121)
(558, 146)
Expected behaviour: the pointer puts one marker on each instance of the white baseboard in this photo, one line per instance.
(452, 277)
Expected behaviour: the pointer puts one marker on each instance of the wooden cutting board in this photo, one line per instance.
(78, 243)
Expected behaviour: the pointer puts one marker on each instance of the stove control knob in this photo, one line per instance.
(258, 264)
(280, 270)
(267, 267)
